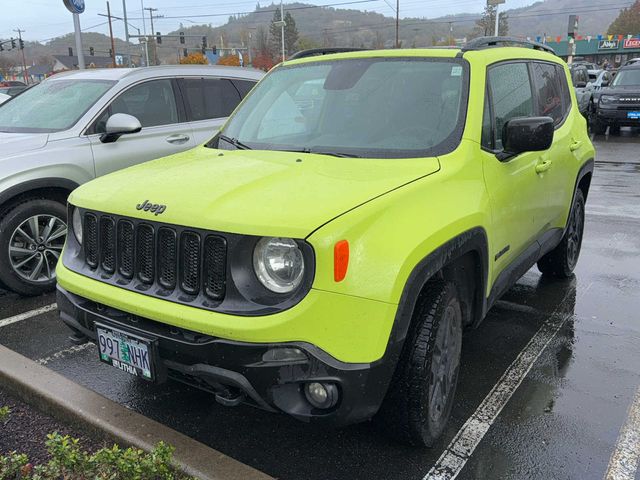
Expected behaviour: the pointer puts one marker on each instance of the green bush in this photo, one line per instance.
(69, 462)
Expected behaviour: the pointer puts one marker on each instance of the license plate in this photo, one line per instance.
(634, 115)
(127, 352)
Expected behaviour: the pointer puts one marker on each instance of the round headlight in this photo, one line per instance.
(76, 221)
(606, 98)
(279, 264)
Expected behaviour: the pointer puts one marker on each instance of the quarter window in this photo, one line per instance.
(511, 96)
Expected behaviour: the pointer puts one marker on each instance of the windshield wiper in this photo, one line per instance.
(335, 154)
(319, 152)
(235, 142)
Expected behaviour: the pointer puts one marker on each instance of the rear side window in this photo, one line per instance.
(510, 95)
(208, 98)
(549, 79)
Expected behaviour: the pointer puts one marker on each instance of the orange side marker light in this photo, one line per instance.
(340, 260)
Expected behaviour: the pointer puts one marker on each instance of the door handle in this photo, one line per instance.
(575, 146)
(177, 139)
(543, 166)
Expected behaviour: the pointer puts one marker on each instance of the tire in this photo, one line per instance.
(562, 260)
(614, 130)
(599, 128)
(412, 411)
(34, 230)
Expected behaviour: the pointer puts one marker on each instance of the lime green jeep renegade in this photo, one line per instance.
(322, 254)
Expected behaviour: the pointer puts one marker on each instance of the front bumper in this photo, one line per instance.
(237, 372)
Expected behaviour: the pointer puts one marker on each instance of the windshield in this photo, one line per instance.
(627, 78)
(52, 106)
(375, 108)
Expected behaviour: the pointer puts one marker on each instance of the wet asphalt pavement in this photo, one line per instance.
(562, 422)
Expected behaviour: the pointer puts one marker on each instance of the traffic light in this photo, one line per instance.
(91, 51)
(185, 53)
(204, 42)
(21, 44)
(214, 49)
(182, 38)
(70, 52)
(158, 38)
(110, 53)
(13, 43)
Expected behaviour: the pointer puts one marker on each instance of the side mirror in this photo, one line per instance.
(526, 134)
(120, 124)
(581, 84)
(605, 83)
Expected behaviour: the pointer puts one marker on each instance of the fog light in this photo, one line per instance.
(321, 395)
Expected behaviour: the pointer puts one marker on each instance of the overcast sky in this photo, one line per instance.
(44, 19)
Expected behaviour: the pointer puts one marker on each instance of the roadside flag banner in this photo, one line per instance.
(538, 39)
(589, 38)
(610, 37)
(599, 37)
(558, 38)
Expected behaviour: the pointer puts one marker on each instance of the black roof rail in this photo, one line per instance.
(313, 52)
(489, 42)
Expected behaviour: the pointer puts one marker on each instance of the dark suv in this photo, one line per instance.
(619, 104)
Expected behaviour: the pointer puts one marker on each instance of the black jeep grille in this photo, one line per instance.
(155, 259)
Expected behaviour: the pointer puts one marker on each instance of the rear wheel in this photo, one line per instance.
(614, 130)
(562, 260)
(420, 398)
(32, 234)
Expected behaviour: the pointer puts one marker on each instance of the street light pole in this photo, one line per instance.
(397, 23)
(282, 27)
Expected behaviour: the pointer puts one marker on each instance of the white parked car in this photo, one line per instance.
(79, 125)
(4, 97)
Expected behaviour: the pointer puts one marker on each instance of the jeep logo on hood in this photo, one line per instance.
(155, 208)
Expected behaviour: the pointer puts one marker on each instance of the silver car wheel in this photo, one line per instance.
(35, 246)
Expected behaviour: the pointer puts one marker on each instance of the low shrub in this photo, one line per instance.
(69, 462)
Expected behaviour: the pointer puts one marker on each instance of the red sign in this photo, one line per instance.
(632, 43)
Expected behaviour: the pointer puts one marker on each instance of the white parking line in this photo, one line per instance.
(460, 449)
(623, 464)
(64, 353)
(29, 314)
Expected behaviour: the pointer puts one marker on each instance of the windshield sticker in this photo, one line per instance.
(456, 71)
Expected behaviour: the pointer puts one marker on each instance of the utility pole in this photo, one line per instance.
(397, 23)
(24, 62)
(496, 3)
(113, 45)
(281, 24)
(155, 46)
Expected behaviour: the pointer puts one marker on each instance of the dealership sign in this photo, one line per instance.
(74, 6)
(632, 43)
(608, 45)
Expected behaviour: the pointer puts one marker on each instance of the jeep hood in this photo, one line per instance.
(14, 143)
(251, 192)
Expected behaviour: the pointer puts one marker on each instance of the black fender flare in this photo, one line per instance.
(29, 185)
(470, 241)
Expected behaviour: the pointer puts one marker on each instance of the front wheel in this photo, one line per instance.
(32, 234)
(598, 127)
(420, 398)
(562, 260)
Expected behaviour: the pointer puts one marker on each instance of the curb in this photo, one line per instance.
(72, 403)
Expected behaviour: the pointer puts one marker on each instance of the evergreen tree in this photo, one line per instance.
(628, 22)
(290, 34)
(486, 25)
